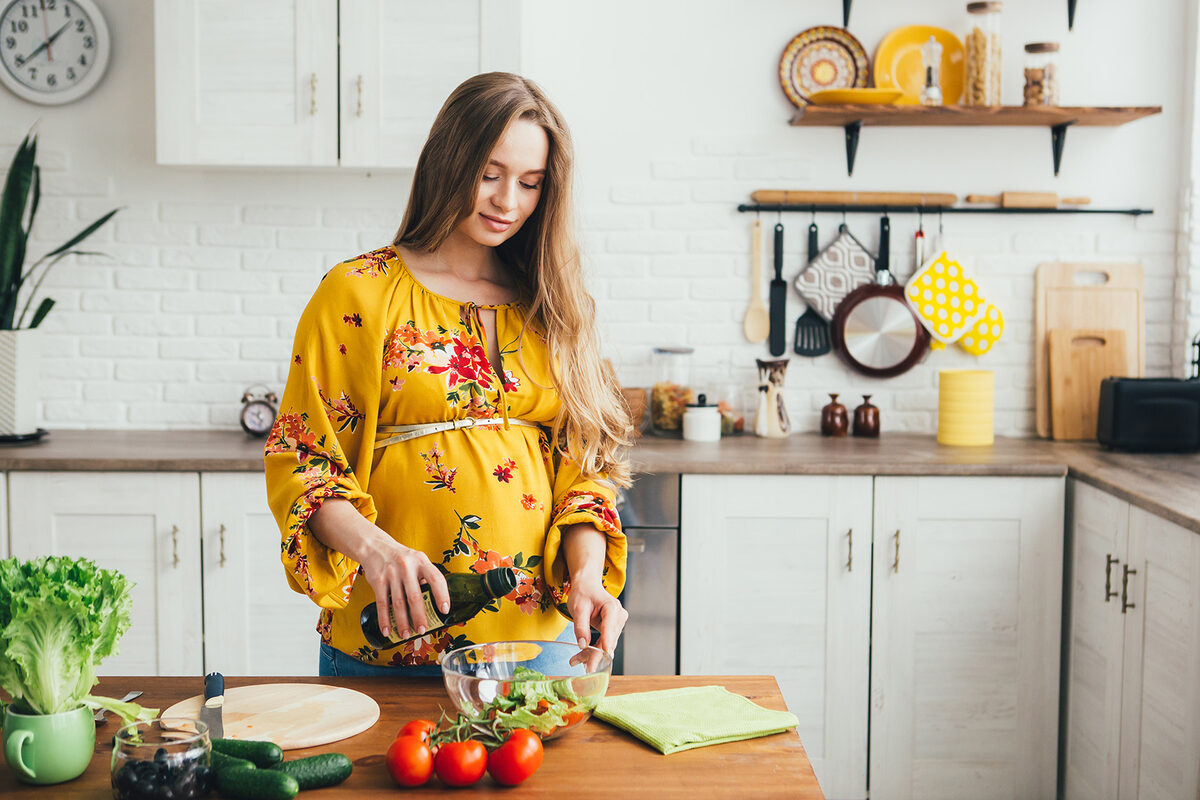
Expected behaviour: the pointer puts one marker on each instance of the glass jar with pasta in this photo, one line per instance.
(672, 389)
(983, 54)
(1041, 74)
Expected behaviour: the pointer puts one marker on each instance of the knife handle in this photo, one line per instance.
(778, 251)
(214, 685)
(885, 239)
(812, 241)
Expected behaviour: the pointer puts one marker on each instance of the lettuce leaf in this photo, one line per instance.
(59, 618)
(536, 702)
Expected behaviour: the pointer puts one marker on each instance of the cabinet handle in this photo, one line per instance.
(174, 545)
(896, 560)
(222, 532)
(314, 93)
(635, 544)
(1125, 604)
(360, 83)
(1108, 592)
(850, 550)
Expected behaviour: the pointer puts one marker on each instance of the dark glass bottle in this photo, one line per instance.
(834, 419)
(469, 593)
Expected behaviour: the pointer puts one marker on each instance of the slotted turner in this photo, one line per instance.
(812, 334)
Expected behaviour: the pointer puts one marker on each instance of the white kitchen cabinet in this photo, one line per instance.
(146, 525)
(1133, 688)
(965, 637)
(775, 578)
(254, 624)
(314, 82)
(4, 546)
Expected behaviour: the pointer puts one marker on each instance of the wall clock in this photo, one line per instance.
(52, 51)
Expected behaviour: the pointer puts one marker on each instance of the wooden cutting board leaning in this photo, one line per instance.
(1085, 297)
(1079, 360)
(292, 715)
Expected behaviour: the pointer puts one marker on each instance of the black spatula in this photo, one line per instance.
(812, 332)
(778, 339)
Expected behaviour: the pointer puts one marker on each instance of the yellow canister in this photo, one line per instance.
(965, 406)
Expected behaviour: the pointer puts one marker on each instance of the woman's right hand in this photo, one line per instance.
(398, 574)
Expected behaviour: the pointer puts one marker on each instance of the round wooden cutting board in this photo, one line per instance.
(292, 715)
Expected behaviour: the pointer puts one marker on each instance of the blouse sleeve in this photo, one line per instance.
(322, 442)
(589, 500)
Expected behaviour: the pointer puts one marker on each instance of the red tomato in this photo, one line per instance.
(518, 758)
(409, 761)
(460, 763)
(421, 728)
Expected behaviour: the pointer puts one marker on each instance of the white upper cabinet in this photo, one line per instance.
(290, 82)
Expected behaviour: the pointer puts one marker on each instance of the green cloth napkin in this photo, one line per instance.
(693, 716)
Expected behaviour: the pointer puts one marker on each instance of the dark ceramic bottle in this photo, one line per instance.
(866, 418)
(834, 419)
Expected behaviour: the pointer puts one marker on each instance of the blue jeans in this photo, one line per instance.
(333, 663)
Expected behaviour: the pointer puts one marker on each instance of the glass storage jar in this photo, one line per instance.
(1041, 74)
(983, 54)
(163, 758)
(672, 389)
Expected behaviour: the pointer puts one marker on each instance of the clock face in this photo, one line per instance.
(257, 417)
(52, 51)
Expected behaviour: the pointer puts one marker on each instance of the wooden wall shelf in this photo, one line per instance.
(852, 117)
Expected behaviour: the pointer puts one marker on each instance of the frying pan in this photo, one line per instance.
(873, 329)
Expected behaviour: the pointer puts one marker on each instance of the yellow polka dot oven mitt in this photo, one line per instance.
(950, 304)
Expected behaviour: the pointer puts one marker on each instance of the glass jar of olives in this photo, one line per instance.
(163, 758)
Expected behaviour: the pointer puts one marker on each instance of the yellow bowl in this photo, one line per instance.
(865, 97)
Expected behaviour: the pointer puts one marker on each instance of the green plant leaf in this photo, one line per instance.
(42, 310)
(13, 201)
(86, 232)
(37, 284)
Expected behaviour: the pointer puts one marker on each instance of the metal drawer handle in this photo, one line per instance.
(222, 544)
(174, 545)
(1108, 592)
(314, 93)
(850, 550)
(896, 560)
(1125, 604)
(360, 85)
(635, 544)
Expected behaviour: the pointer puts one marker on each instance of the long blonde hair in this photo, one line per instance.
(593, 426)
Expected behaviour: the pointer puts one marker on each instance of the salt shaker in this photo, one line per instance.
(931, 54)
(701, 421)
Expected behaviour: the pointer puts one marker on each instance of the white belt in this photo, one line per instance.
(390, 434)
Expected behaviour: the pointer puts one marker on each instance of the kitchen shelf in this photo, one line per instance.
(847, 3)
(931, 210)
(851, 118)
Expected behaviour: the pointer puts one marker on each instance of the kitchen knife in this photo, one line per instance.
(778, 343)
(214, 702)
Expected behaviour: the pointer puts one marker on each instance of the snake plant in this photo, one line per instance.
(18, 207)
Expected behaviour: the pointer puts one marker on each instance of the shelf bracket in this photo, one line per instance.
(1070, 14)
(847, 3)
(1058, 137)
(852, 144)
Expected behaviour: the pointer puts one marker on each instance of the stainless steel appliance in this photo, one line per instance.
(649, 512)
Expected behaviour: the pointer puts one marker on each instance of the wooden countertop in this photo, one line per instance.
(1164, 484)
(595, 761)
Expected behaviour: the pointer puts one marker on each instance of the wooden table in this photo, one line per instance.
(595, 761)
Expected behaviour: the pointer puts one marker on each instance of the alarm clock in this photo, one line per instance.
(258, 410)
(52, 51)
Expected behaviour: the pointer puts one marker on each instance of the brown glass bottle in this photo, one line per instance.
(834, 419)
(866, 418)
(469, 594)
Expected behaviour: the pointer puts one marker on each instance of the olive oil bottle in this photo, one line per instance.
(469, 593)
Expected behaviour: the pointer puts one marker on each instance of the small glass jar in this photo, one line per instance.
(1041, 74)
(162, 758)
(931, 58)
(983, 54)
(702, 421)
(672, 389)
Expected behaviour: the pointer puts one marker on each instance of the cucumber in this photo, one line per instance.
(317, 772)
(243, 783)
(263, 754)
(220, 761)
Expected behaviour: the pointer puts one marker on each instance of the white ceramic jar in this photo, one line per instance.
(701, 421)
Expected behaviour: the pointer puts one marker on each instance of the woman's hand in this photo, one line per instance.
(398, 574)
(591, 606)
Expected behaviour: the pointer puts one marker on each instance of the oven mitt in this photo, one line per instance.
(694, 716)
(945, 298)
(836, 271)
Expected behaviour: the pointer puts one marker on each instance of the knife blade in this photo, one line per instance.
(778, 342)
(214, 702)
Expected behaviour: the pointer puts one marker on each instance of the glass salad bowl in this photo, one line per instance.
(548, 687)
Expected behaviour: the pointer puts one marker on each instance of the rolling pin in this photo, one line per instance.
(854, 198)
(1028, 199)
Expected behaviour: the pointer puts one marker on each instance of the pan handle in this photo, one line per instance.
(885, 244)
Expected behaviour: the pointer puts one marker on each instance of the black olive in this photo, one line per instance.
(184, 783)
(145, 790)
(167, 793)
(126, 777)
(160, 756)
(206, 779)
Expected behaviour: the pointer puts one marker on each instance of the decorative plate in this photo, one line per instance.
(898, 63)
(881, 97)
(819, 58)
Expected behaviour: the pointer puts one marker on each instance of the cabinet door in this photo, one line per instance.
(246, 83)
(1160, 718)
(1098, 533)
(254, 623)
(4, 546)
(966, 617)
(775, 579)
(400, 59)
(146, 525)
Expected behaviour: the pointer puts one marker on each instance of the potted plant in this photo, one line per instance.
(59, 618)
(18, 343)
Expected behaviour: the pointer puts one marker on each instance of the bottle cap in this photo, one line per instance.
(701, 402)
(1041, 47)
(500, 581)
(991, 5)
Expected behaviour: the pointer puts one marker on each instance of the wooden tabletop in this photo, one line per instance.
(596, 760)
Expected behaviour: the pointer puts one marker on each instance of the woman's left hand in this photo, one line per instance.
(591, 606)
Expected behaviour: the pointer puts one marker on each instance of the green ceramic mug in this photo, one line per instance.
(49, 748)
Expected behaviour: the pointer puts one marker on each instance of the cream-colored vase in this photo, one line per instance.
(19, 354)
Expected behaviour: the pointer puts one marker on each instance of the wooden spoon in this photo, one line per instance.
(757, 324)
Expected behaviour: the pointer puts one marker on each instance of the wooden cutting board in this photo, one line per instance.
(1079, 360)
(1085, 297)
(292, 715)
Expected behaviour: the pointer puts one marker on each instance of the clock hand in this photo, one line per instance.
(45, 44)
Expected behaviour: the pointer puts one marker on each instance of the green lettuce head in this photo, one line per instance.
(59, 618)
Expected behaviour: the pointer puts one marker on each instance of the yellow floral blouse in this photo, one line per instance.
(375, 347)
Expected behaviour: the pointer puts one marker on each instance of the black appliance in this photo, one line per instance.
(1149, 414)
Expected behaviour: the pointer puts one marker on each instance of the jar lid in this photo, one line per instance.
(701, 402)
(675, 351)
(1041, 47)
(979, 8)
